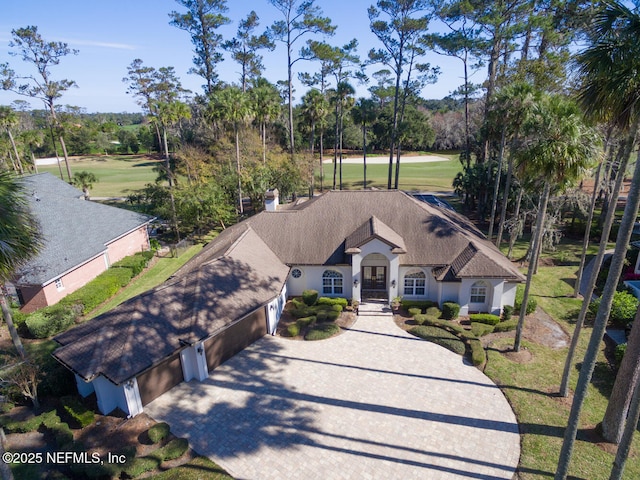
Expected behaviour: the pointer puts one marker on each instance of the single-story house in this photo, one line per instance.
(81, 240)
(353, 244)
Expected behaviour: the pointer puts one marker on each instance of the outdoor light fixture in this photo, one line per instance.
(393, 284)
(355, 283)
(129, 384)
(199, 350)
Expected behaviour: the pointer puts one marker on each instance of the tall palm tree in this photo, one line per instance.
(9, 119)
(343, 98)
(19, 240)
(364, 114)
(266, 104)
(315, 109)
(231, 106)
(557, 150)
(608, 68)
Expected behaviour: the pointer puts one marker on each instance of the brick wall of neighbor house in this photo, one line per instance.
(135, 242)
(33, 297)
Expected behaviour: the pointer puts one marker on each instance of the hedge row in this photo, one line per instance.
(100, 289)
(136, 262)
(439, 336)
(423, 304)
(343, 302)
(506, 326)
(172, 450)
(158, 432)
(486, 318)
(321, 332)
(450, 310)
(81, 415)
(49, 321)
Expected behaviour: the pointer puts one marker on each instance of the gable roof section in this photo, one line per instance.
(213, 293)
(374, 228)
(75, 230)
(473, 263)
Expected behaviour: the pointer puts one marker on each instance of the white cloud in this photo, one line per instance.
(91, 43)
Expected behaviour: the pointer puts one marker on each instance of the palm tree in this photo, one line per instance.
(231, 106)
(85, 181)
(608, 68)
(343, 98)
(364, 113)
(8, 119)
(315, 109)
(556, 150)
(266, 104)
(19, 240)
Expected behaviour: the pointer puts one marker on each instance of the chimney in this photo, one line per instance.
(271, 200)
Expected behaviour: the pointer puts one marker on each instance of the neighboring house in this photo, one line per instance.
(354, 244)
(81, 240)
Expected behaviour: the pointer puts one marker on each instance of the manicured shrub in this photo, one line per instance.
(487, 318)
(423, 304)
(320, 332)
(439, 336)
(623, 308)
(322, 316)
(423, 319)
(507, 312)
(136, 263)
(174, 449)
(332, 315)
(506, 326)
(298, 303)
(532, 304)
(478, 355)
(305, 321)
(337, 308)
(310, 297)
(434, 312)
(49, 321)
(158, 432)
(415, 311)
(450, 310)
(333, 301)
(480, 329)
(77, 411)
(140, 465)
(293, 330)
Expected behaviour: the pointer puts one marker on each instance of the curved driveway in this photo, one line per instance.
(372, 403)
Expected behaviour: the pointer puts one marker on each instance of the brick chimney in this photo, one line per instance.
(271, 200)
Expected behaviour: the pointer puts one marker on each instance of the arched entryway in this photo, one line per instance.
(374, 272)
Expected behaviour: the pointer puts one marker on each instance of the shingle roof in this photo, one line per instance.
(190, 307)
(75, 230)
(319, 232)
(374, 228)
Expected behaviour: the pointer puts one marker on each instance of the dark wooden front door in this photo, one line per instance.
(374, 278)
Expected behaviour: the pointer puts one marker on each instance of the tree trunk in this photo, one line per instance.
(587, 232)
(321, 160)
(512, 238)
(627, 437)
(496, 187)
(588, 364)
(167, 160)
(6, 313)
(623, 388)
(597, 264)
(264, 143)
(5, 470)
(15, 150)
(505, 201)
(396, 184)
(542, 209)
(237, 137)
(66, 158)
(364, 153)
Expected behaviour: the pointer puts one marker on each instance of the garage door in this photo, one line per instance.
(235, 338)
(160, 379)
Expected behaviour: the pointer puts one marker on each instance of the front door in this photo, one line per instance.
(374, 278)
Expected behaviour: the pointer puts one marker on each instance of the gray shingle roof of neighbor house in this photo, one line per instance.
(75, 230)
(214, 292)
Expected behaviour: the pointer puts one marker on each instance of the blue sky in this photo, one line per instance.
(111, 34)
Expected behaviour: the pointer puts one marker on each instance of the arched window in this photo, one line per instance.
(478, 292)
(415, 283)
(331, 282)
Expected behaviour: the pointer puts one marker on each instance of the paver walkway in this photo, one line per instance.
(372, 403)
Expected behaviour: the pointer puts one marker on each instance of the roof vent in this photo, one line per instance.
(271, 200)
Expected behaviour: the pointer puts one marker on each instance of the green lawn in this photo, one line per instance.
(118, 175)
(428, 176)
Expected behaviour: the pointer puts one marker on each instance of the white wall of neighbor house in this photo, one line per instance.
(194, 363)
(111, 396)
(274, 310)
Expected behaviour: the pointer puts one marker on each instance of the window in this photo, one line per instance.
(296, 273)
(331, 282)
(478, 292)
(415, 283)
(59, 284)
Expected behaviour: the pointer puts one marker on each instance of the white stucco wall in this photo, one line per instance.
(431, 287)
(274, 310)
(311, 279)
(194, 363)
(109, 395)
(509, 293)
(493, 303)
(84, 388)
(376, 246)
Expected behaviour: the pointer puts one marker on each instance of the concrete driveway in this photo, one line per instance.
(372, 403)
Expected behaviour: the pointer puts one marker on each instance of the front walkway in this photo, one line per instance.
(372, 403)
